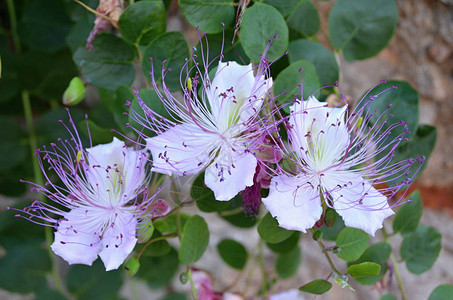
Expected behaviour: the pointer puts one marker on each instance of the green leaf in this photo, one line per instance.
(44, 26)
(109, 64)
(304, 18)
(288, 81)
(420, 249)
(442, 292)
(409, 214)
(172, 48)
(98, 134)
(168, 224)
(270, 232)
(259, 24)
(158, 248)
(204, 196)
(175, 296)
(331, 233)
(235, 215)
(93, 282)
(404, 107)
(142, 21)
(158, 271)
(352, 243)
(317, 287)
(233, 253)
(420, 144)
(12, 150)
(284, 7)
(378, 253)
(388, 297)
(361, 29)
(364, 269)
(208, 15)
(287, 263)
(317, 54)
(48, 127)
(286, 245)
(194, 241)
(24, 268)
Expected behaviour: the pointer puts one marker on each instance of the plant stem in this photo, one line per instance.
(192, 285)
(395, 267)
(94, 11)
(13, 24)
(164, 237)
(326, 254)
(40, 181)
(263, 270)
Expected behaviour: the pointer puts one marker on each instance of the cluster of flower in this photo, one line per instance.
(232, 128)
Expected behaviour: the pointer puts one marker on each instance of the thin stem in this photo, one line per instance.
(395, 267)
(192, 285)
(326, 254)
(263, 270)
(164, 237)
(40, 181)
(94, 11)
(13, 24)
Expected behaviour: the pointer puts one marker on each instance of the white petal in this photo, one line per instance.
(294, 202)
(182, 149)
(118, 240)
(357, 201)
(236, 94)
(230, 173)
(318, 133)
(77, 239)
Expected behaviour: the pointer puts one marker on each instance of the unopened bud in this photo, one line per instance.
(75, 92)
(146, 232)
(132, 266)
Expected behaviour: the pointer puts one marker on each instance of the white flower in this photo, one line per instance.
(333, 150)
(215, 132)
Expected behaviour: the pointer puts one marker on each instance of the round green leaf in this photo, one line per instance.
(259, 24)
(270, 232)
(286, 245)
(233, 253)
(409, 214)
(23, 269)
(317, 54)
(239, 219)
(93, 282)
(284, 7)
(304, 18)
(208, 15)
(364, 269)
(287, 263)
(331, 233)
(361, 29)
(158, 271)
(420, 144)
(141, 22)
(108, 64)
(195, 239)
(288, 81)
(204, 196)
(420, 249)
(352, 243)
(158, 248)
(388, 297)
(404, 106)
(442, 292)
(172, 48)
(317, 287)
(44, 26)
(168, 224)
(377, 253)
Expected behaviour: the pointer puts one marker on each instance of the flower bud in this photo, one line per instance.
(75, 92)
(132, 266)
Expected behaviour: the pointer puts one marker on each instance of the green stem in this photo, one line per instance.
(395, 267)
(164, 237)
(326, 254)
(13, 24)
(192, 285)
(40, 181)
